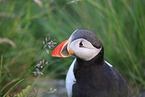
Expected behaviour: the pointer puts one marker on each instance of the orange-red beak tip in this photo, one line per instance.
(55, 55)
(57, 51)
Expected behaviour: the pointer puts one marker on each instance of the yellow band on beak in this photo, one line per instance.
(70, 52)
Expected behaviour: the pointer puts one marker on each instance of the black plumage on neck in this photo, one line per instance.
(98, 60)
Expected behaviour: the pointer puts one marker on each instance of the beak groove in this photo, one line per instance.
(61, 50)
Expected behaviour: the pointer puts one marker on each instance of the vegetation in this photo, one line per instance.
(24, 25)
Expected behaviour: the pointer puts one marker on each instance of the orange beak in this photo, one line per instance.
(61, 50)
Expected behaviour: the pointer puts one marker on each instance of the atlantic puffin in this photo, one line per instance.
(89, 74)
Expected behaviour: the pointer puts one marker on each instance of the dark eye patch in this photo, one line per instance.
(81, 44)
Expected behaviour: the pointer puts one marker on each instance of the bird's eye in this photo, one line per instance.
(81, 44)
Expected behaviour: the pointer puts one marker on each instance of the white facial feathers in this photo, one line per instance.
(84, 49)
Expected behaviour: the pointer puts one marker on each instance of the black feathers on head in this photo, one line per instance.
(88, 35)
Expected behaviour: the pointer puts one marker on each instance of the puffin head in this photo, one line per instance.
(82, 44)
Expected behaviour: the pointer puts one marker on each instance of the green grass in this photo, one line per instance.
(118, 24)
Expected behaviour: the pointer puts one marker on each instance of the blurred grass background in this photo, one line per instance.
(119, 24)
